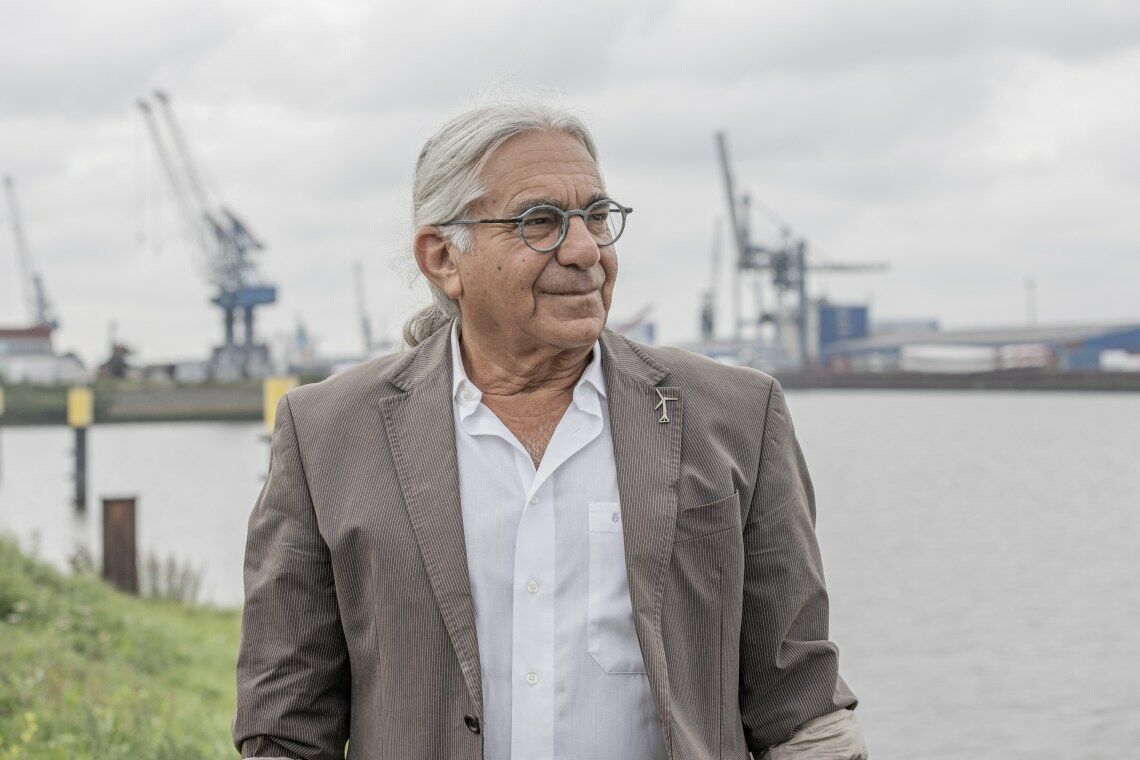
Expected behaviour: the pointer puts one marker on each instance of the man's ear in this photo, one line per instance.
(437, 259)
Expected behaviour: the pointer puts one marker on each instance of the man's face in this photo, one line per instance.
(519, 295)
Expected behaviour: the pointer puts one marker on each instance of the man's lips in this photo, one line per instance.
(573, 292)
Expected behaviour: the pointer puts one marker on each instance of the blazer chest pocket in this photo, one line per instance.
(704, 519)
(611, 637)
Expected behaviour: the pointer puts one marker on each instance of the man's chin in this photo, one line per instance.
(569, 330)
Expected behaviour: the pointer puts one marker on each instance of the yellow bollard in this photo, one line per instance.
(273, 389)
(80, 406)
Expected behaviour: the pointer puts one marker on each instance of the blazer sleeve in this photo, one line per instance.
(789, 671)
(293, 678)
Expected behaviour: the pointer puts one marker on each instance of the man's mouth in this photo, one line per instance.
(575, 292)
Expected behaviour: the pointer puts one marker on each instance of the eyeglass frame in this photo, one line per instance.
(564, 229)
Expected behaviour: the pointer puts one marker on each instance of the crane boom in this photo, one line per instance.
(222, 238)
(194, 218)
(35, 295)
(738, 233)
(193, 177)
(21, 241)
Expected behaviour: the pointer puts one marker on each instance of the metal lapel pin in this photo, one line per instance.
(664, 407)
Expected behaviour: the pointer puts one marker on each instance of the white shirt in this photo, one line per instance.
(562, 671)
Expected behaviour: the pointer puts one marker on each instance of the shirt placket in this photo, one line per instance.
(532, 667)
(534, 631)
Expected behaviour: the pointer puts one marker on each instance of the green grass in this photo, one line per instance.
(88, 672)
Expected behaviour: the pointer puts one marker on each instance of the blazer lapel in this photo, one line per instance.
(647, 454)
(421, 433)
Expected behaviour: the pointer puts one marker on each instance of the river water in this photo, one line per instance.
(981, 550)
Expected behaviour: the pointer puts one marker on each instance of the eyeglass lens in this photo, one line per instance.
(542, 226)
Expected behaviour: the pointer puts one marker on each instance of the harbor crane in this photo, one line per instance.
(225, 241)
(709, 297)
(362, 310)
(787, 262)
(35, 296)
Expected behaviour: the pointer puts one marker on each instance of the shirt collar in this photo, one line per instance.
(591, 377)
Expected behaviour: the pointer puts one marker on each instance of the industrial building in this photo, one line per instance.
(1089, 347)
(27, 356)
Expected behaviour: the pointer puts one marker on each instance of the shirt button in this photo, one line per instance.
(532, 678)
(466, 395)
(534, 499)
(532, 587)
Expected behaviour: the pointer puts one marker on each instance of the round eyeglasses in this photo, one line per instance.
(543, 227)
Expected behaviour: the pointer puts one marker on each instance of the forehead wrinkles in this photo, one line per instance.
(570, 189)
(541, 170)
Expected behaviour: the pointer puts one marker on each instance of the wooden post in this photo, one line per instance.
(120, 552)
(81, 469)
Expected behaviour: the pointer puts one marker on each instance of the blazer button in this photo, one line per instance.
(472, 723)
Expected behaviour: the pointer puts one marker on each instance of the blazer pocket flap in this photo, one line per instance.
(703, 519)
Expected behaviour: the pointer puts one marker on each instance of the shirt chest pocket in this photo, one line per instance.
(611, 635)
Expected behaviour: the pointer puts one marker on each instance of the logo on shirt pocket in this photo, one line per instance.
(611, 636)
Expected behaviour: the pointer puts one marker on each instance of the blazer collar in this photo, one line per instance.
(432, 356)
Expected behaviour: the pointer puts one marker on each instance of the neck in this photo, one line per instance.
(508, 373)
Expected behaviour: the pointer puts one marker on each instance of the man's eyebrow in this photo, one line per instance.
(521, 207)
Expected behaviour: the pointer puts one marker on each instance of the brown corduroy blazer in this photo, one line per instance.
(358, 624)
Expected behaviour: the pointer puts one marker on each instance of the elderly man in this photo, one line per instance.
(528, 536)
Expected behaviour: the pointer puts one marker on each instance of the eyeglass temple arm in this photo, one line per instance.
(479, 221)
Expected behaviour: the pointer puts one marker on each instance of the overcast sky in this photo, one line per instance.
(970, 144)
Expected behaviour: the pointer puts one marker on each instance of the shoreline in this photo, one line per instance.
(244, 402)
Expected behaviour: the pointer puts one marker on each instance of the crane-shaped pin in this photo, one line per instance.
(662, 405)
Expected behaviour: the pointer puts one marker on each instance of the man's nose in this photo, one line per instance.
(579, 249)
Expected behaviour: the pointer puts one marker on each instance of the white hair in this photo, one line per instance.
(448, 181)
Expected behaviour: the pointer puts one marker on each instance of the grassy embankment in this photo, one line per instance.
(89, 673)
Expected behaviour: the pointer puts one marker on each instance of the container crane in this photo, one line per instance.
(787, 262)
(225, 241)
(35, 296)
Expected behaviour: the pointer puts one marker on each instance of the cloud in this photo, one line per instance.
(972, 143)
